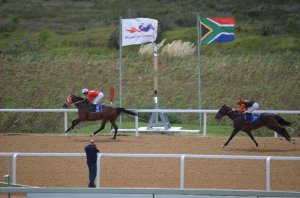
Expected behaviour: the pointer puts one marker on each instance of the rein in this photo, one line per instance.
(229, 111)
(234, 118)
(69, 101)
(78, 101)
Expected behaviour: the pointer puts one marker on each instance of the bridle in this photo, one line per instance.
(225, 113)
(69, 101)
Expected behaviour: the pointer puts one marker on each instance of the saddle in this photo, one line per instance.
(96, 108)
(251, 117)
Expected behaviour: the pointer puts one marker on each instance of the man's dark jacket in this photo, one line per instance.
(91, 153)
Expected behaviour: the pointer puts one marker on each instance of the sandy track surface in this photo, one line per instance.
(154, 172)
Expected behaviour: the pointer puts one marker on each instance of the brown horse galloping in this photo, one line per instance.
(108, 113)
(271, 121)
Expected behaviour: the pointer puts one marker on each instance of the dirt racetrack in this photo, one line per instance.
(154, 172)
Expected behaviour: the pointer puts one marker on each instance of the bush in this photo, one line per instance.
(44, 38)
(113, 41)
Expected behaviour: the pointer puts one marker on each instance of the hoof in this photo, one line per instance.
(91, 135)
(293, 141)
(223, 146)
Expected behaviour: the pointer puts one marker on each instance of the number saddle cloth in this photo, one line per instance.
(96, 108)
(252, 117)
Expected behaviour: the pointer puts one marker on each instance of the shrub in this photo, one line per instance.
(44, 38)
(113, 41)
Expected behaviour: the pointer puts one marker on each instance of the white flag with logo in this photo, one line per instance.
(138, 31)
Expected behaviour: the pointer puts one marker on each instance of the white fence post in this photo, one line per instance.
(182, 171)
(136, 121)
(66, 121)
(98, 171)
(268, 174)
(14, 174)
(204, 123)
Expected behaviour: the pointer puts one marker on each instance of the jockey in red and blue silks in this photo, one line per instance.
(246, 106)
(93, 96)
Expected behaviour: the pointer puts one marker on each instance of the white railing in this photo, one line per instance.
(203, 111)
(182, 158)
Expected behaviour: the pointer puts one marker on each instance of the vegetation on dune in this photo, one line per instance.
(49, 50)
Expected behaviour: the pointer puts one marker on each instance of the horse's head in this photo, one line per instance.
(72, 99)
(222, 112)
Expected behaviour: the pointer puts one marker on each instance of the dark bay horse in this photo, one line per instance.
(108, 113)
(271, 121)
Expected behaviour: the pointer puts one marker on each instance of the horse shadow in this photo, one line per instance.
(260, 150)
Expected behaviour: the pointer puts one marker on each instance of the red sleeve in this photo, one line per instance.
(242, 108)
(92, 95)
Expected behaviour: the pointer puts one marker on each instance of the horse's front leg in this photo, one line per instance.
(234, 132)
(74, 123)
(251, 136)
(101, 128)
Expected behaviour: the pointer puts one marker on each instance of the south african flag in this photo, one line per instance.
(216, 30)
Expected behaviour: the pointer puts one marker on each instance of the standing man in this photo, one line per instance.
(91, 156)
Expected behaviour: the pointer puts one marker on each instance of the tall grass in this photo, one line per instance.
(179, 48)
(268, 78)
(175, 48)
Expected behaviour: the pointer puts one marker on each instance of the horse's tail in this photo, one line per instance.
(282, 121)
(123, 110)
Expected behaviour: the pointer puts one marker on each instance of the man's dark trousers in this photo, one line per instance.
(93, 173)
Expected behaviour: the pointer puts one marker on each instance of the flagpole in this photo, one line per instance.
(198, 70)
(120, 66)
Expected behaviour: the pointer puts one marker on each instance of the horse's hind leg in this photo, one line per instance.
(281, 131)
(74, 123)
(101, 128)
(285, 134)
(113, 124)
(251, 136)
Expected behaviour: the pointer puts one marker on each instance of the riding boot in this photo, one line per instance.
(91, 106)
(248, 117)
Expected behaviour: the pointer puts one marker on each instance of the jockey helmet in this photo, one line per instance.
(84, 91)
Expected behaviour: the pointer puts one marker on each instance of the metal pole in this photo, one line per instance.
(9, 167)
(120, 68)
(198, 68)
(155, 64)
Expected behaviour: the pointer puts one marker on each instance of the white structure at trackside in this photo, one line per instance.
(204, 111)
